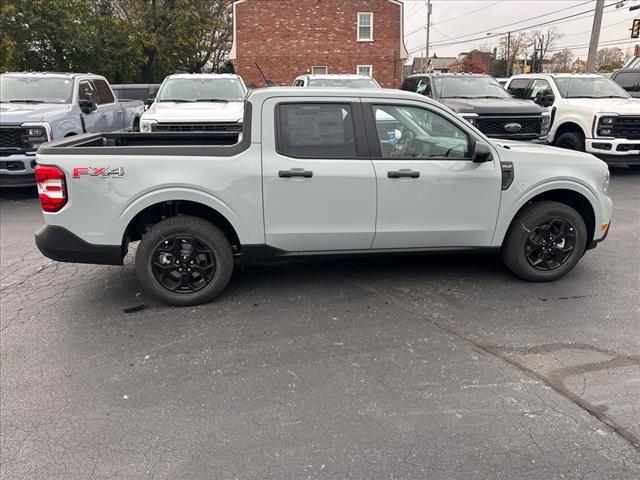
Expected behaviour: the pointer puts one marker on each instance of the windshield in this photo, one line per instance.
(469, 87)
(589, 87)
(201, 90)
(26, 89)
(343, 82)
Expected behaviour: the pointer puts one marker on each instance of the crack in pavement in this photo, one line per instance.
(554, 380)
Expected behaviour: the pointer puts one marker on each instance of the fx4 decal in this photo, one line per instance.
(105, 172)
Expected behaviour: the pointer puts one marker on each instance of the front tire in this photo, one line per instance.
(570, 141)
(184, 261)
(545, 241)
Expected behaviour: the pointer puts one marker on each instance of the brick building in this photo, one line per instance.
(287, 38)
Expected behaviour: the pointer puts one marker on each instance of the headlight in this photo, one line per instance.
(605, 181)
(34, 135)
(544, 124)
(470, 117)
(604, 125)
(146, 125)
(607, 120)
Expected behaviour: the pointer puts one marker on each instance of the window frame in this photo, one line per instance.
(374, 138)
(361, 144)
(358, 37)
(326, 69)
(370, 67)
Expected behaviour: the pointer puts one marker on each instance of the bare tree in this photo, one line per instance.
(562, 61)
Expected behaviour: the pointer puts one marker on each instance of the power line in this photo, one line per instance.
(471, 40)
(455, 18)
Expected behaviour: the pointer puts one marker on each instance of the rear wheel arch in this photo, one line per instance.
(155, 213)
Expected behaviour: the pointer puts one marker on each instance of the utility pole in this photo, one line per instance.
(426, 49)
(595, 37)
(509, 63)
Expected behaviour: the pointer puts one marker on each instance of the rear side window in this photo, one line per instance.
(518, 87)
(316, 130)
(630, 81)
(104, 92)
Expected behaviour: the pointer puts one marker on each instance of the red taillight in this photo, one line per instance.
(51, 188)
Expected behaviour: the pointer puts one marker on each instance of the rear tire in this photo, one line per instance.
(571, 141)
(184, 261)
(545, 241)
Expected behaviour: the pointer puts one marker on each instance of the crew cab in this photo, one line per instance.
(589, 113)
(197, 102)
(40, 107)
(483, 102)
(316, 172)
(341, 80)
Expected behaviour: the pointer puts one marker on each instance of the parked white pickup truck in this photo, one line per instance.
(199, 102)
(589, 113)
(317, 172)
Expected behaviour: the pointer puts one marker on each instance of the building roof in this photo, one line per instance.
(437, 63)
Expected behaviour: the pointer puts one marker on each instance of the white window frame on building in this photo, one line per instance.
(368, 67)
(360, 17)
(319, 67)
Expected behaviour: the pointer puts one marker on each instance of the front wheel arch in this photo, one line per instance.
(574, 199)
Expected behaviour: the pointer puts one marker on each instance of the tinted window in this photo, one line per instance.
(418, 85)
(412, 132)
(630, 81)
(540, 89)
(104, 93)
(518, 87)
(316, 130)
(409, 84)
(87, 91)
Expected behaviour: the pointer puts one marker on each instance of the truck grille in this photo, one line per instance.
(10, 138)
(627, 127)
(495, 126)
(197, 127)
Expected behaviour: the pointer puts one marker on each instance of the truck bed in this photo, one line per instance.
(144, 143)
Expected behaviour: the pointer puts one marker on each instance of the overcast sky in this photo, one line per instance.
(470, 20)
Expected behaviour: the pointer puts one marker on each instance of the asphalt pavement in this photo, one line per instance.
(419, 367)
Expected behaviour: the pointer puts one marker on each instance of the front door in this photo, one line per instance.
(98, 120)
(430, 192)
(319, 184)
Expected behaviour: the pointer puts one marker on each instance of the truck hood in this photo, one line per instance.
(492, 106)
(170, 112)
(17, 113)
(622, 106)
(520, 152)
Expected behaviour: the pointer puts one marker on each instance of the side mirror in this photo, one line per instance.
(545, 100)
(87, 105)
(482, 153)
(150, 98)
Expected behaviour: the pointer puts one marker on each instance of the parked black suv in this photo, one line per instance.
(629, 79)
(484, 103)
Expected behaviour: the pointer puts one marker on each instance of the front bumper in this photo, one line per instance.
(58, 243)
(17, 170)
(614, 150)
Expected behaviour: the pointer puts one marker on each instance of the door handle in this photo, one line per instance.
(119, 112)
(403, 173)
(295, 172)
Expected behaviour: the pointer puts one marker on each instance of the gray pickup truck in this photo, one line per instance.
(316, 171)
(39, 107)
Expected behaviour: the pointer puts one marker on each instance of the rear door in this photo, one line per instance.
(430, 192)
(319, 185)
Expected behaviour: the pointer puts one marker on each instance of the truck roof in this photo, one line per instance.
(53, 74)
(332, 76)
(558, 75)
(449, 74)
(261, 94)
(204, 75)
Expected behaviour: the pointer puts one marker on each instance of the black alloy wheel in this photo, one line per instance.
(183, 264)
(550, 244)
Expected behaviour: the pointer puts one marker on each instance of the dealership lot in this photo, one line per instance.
(411, 367)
